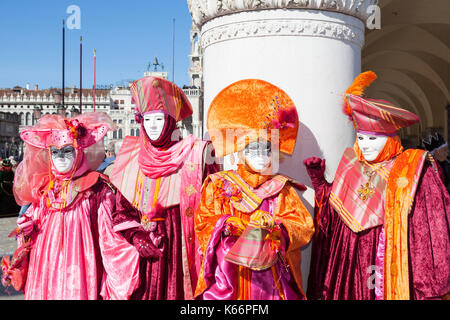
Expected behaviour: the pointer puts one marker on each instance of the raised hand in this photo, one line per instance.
(315, 167)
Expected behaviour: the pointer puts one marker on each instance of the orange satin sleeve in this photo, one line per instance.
(205, 216)
(292, 214)
(209, 212)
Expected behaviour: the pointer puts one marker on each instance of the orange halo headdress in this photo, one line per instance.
(250, 110)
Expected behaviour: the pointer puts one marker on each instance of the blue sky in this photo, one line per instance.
(127, 35)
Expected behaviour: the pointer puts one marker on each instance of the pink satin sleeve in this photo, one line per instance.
(120, 259)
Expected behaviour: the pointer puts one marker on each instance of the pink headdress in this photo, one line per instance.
(84, 132)
(379, 117)
(151, 94)
(372, 116)
(74, 133)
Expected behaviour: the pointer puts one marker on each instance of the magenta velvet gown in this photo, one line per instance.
(342, 261)
(76, 254)
(160, 279)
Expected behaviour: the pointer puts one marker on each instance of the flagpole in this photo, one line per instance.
(94, 79)
(81, 75)
(173, 52)
(63, 58)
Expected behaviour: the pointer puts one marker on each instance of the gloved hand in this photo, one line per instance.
(262, 219)
(145, 246)
(25, 225)
(315, 167)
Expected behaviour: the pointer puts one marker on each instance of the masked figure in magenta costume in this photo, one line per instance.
(251, 222)
(158, 179)
(383, 224)
(75, 254)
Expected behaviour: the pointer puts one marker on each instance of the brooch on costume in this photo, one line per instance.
(149, 221)
(368, 189)
(148, 224)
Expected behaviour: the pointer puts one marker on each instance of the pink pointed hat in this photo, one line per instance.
(152, 94)
(372, 116)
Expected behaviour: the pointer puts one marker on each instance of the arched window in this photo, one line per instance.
(21, 119)
(114, 134)
(138, 131)
(28, 119)
(132, 132)
(120, 133)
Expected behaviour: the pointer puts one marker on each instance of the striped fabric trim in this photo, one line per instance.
(350, 221)
(244, 288)
(137, 200)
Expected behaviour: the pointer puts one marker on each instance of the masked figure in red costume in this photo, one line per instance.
(158, 178)
(73, 251)
(383, 224)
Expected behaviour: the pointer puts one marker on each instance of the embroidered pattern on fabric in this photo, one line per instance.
(228, 191)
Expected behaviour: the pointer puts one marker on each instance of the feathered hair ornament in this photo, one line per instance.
(361, 82)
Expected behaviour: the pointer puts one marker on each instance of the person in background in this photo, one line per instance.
(438, 147)
(107, 164)
(8, 204)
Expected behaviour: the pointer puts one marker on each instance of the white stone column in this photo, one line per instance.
(310, 49)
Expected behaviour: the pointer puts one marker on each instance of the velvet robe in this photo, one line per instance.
(160, 279)
(342, 261)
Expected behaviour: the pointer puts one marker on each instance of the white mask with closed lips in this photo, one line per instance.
(258, 155)
(63, 159)
(154, 124)
(370, 145)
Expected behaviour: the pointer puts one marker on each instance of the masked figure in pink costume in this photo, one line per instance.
(75, 254)
(158, 179)
(383, 224)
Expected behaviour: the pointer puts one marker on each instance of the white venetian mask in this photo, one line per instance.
(63, 159)
(370, 145)
(258, 155)
(154, 124)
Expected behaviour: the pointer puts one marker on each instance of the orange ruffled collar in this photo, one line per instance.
(254, 179)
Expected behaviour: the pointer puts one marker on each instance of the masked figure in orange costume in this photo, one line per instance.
(250, 222)
(382, 225)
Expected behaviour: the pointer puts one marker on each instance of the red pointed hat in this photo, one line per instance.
(152, 94)
(372, 116)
